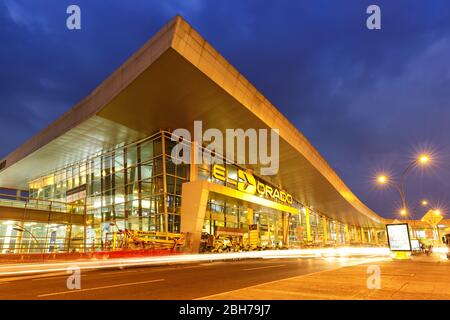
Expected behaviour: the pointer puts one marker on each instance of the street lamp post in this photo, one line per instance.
(23, 229)
(423, 203)
(423, 159)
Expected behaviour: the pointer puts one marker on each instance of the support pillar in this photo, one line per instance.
(166, 214)
(347, 234)
(250, 215)
(285, 229)
(193, 209)
(253, 234)
(338, 232)
(325, 230)
(68, 237)
(193, 172)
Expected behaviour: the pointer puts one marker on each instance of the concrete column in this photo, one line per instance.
(193, 172)
(253, 235)
(250, 215)
(193, 210)
(376, 236)
(347, 234)
(363, 238)
(68, 237)
(338, 232)
(325, 230)
(285, 229)
(166, 215)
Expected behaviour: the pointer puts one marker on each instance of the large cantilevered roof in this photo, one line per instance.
(175, 79)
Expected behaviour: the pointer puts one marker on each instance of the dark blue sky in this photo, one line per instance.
(368, 100)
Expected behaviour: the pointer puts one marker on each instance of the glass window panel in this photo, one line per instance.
(178, 204)
(171, 203)
(120, 210)
(146, 151)
(119, 180)
(170, 166)
(179, 186)
(159, 204)
(157, 147)
(146, 204)
(170, 145)
(107, 162)
(170, 184)
(132, 156)
(69, 184)
(146, 187)
(146, 171)
(132, 175)
(119, 160)
(97, 167)
(183, 171)
(83, 168)
(158, 184)
(159, 222)
(158, 166)
(132, 191)
(119, 197)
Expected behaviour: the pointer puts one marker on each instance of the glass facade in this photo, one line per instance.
(229, 213)
(32, 237)
(139, 187)
(135, 187)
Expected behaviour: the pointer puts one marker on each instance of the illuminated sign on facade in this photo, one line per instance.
(246, 182)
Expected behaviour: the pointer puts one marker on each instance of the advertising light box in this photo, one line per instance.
(398, 237)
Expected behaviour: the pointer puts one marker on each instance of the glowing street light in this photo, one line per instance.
(423, 159)
(382, 179)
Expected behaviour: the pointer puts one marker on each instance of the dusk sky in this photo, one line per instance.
(368, 100)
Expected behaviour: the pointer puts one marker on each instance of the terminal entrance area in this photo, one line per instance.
(232, 225)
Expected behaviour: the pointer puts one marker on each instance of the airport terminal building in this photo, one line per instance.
(106, 166)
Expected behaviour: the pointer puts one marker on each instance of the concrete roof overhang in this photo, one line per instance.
(173, 80)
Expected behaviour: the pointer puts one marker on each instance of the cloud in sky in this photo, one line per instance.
(365, 99)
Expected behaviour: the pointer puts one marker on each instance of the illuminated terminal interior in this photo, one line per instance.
(139, 187)
(106, 166)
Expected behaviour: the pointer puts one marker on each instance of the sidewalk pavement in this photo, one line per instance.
(420, 278)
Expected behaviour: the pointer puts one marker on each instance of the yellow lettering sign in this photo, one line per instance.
(219, 172)
(247, 183)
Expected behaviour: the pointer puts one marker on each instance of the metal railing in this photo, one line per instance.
(32, 244)
(13, 201)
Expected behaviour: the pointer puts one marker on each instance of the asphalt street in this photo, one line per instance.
(168, 282)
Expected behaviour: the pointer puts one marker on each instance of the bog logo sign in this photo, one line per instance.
(246, 182)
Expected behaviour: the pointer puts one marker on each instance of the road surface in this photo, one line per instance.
(169, 282)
